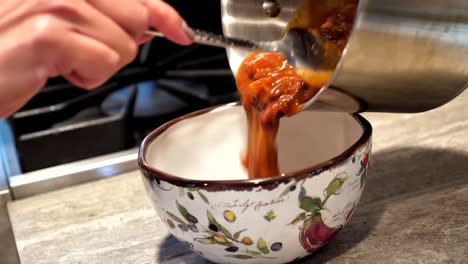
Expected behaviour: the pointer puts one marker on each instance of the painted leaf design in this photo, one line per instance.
(239, 256)
(205, 240)
(270, 216)
(181, 192)
(262, 246)
(310, 204)
(203, 197)
(361, 170)
(307, 223)
(221, 228)
(211, 232)
(334, 185)
(300, 217)
(183, 211)
(287, 190)
(225, 231)
(175, 218)
(302, 193)
(211, 218)
(238, 233)
(253, 252)
(363, 178)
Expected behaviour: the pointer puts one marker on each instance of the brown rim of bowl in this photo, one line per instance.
(246, 183)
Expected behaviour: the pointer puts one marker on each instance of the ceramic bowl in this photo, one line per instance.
(192, 171)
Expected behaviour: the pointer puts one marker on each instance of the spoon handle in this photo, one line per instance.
(211, 39)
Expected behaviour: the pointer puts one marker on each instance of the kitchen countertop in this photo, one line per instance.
(414, 208)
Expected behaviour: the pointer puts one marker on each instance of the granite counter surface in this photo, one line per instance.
(414, 208)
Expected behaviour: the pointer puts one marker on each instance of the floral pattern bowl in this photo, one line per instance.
(192, 171)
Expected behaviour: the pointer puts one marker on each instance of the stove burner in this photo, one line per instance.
(151, 101)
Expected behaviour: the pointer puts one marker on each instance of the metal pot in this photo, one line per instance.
(403, 56)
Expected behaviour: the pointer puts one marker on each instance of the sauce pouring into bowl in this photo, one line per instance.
(271, 87)
(279, 77)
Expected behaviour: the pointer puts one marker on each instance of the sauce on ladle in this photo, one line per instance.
(271, 88)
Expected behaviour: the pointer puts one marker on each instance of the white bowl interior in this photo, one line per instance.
(209, 146)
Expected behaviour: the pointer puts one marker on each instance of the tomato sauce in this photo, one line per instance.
(271, 88)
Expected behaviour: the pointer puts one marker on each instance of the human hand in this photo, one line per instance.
(85, 41)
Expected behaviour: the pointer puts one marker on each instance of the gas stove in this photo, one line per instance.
(64, 130)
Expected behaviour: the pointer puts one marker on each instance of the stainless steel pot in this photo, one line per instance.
(403, 55)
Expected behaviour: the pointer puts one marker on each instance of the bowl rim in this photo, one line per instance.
(151, 172)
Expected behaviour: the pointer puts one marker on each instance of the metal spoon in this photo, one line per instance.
(302, 49)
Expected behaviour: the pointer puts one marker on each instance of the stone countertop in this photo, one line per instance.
(414, 208)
